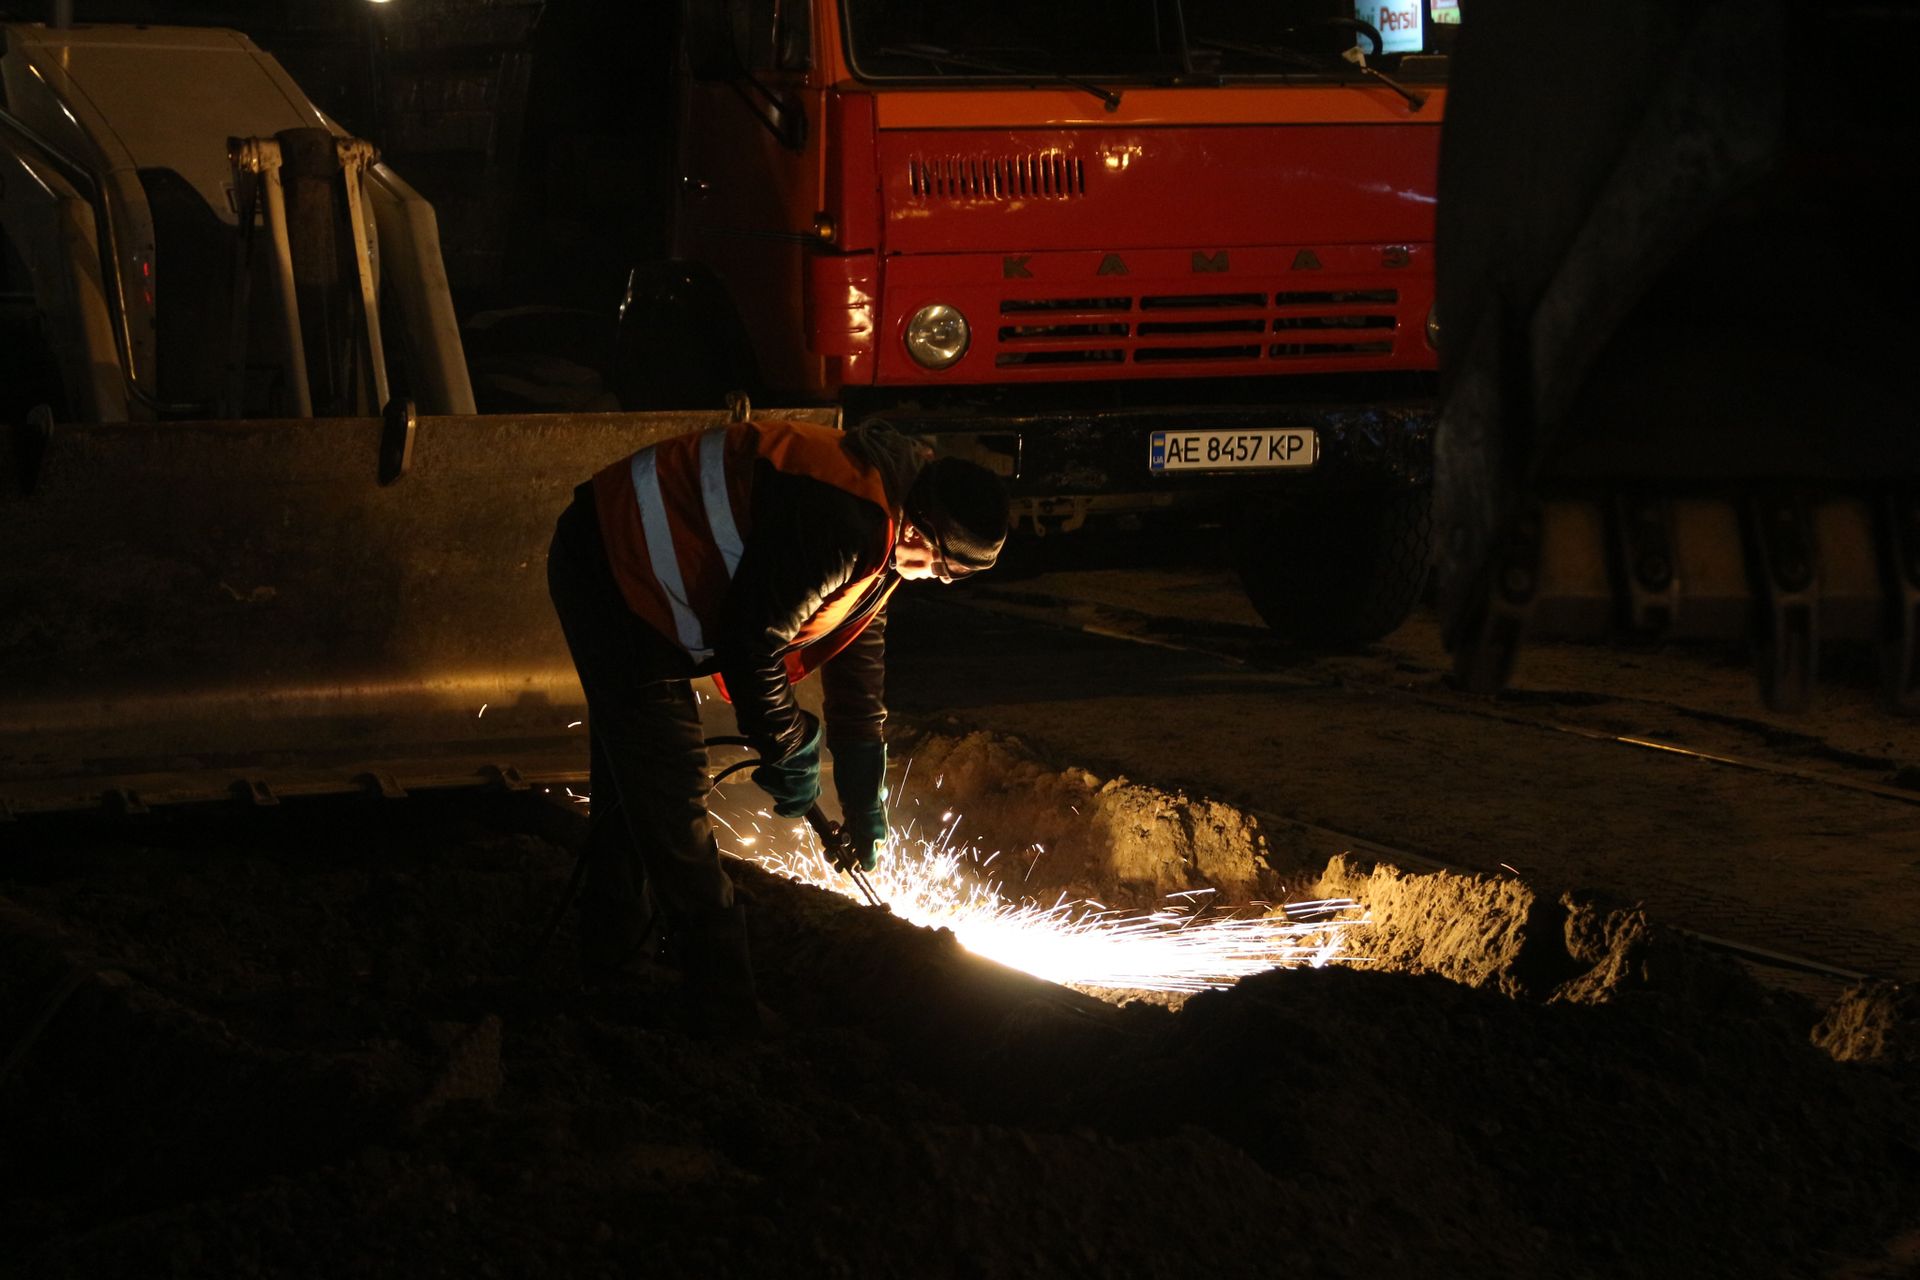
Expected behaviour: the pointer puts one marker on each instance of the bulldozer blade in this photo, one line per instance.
(245, 611)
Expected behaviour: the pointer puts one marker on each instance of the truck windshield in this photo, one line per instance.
(1136, 40)
(1009, 39)
(1247, 38)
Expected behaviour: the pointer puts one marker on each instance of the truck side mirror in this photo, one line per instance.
(787, 118)
(716, 36)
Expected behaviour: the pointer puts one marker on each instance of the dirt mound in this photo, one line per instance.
(310, 1044)
(1497, 932)
(1875, 1022)
(1070, 831)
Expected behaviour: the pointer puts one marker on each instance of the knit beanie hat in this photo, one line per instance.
(962, 508)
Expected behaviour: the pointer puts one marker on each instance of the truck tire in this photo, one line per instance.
(680, 344)
(1336, 571)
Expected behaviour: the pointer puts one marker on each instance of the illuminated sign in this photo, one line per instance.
(1398, 22)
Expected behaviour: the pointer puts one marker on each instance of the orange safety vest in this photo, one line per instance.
(675, 519)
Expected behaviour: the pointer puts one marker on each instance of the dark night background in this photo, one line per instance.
(540, 132)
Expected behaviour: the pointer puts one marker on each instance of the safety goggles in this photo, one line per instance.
(943, 567)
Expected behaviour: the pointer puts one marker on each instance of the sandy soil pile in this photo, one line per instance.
(310, 1043)
(1069, 831)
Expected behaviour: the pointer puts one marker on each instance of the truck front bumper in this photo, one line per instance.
(1062, 467)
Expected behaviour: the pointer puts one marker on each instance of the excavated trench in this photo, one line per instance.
(312, 1043)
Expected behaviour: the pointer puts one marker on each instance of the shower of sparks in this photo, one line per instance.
(1184, 946)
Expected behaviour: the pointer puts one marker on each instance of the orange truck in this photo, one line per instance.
(1170, 261)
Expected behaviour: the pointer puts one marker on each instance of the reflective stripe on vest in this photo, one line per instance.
(663, 554)
(713, 496)
(674, 536)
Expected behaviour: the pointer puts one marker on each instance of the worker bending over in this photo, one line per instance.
(758, 553)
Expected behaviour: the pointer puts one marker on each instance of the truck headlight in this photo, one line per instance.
(937, 335)
(1433, 326)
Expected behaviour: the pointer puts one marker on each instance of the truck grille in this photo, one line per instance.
(1207, 327)
(1038, 174)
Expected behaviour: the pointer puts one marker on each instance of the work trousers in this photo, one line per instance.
(649, 824)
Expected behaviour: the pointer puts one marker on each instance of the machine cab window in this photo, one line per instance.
(726, 38)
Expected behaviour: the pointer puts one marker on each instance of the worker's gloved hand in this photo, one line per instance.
(794, 783)
(860, 776)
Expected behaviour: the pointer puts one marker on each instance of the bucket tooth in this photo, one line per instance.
(504, 777)
(254, 792)
(1787, 575)
(125, 802)
(1643, 543)
(380, 784)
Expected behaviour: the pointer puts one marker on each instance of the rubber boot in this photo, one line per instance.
(721, 1001)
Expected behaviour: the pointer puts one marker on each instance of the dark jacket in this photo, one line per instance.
(810, 538)
(807, 539)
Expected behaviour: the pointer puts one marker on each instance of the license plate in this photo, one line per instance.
(1272, 448)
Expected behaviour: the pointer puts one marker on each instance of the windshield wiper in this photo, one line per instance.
(1311, 62)
(939, 56)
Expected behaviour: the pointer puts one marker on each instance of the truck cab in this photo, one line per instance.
(1173, 258)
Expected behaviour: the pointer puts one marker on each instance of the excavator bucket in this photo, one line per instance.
(261, 609)
(1675, 295)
